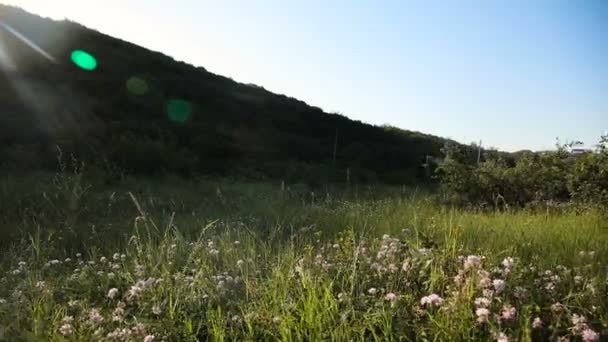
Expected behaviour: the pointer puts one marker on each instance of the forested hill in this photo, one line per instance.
(143, 112)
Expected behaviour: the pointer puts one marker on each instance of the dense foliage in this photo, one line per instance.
(120, 117)
(528, 178)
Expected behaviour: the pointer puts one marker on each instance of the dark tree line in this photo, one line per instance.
(232, 129)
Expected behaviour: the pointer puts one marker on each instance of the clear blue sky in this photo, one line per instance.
(515, 74)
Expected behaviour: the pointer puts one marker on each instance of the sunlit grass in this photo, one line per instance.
(183, 260)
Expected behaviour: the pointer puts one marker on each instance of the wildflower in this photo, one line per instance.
(431, 300)
(557, 308)
(67, 260)
(103, 259)
(21, 264)
(112, 293)
(485, 282)
(276, 320)
(139, 270)
(482, 302)
(459, 278)
(115, 267)
(149, 338)
(406, 266)
(237, 242)
(501, 337)
(95, 317)
(508, 313)
(372, 291)
(482, 315)
(236, 319)
(520, 293)
(391, 297)
(2, 301)
(118, 314)
(139, 329)
(111, 275)
(537, 323)
(214, 252)
(499, 285)
(156, 310)
(579, 322)
(508, 262)
(55, 262)
(119, 334)
(78, 255)
(578, 279)
(73, 303)
(239, 263)
(472, 261)
(40, 285)
(393, 268)
(590, 335)
(66, 329)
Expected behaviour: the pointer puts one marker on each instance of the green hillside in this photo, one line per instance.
(143, 112)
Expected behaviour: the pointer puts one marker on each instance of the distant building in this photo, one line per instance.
(579, 150)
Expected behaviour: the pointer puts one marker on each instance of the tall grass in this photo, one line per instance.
(222, 260)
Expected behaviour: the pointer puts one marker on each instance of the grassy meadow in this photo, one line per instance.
(83, 259)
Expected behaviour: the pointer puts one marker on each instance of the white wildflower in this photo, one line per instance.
(112, 293)
(482, 302)
(501, 337)
(431, 300)
(508, 262)
(95, 317)
(472, 261)
(156, 310)
(66, 329)
(482, 315)
(499, 285)
(391, 297)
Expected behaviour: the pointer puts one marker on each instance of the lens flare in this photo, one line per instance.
(84, 60)
(137, 86)
(179, 110)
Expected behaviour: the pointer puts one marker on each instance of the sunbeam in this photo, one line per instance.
(27, 41)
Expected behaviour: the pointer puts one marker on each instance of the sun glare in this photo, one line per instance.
(57, 9)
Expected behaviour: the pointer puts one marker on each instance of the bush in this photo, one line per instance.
(556, 176)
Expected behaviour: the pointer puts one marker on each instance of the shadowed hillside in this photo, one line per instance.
(142, 112)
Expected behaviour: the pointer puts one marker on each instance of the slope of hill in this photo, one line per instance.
(143, 112)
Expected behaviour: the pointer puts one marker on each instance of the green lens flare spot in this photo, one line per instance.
(137, 86)
(179, 110)
(84, 60)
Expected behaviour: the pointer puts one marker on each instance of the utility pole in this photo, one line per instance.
(479, 153)
(335, 147)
